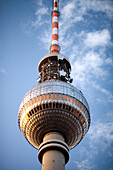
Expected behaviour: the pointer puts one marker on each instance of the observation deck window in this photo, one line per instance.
(43, 97)
(43, 106)
(40, 107)
(63, 106)
(46, 105)
(82, 108)
(32, 111)
(46, 97)
(39, 98)
(77, 103)
(33, 101)
(67, 107)
(53, 96)
(50, 105)
(35, 109)
(82, 119)
(28, 114)
(57, 105)
(79, 116)
(84, 124)
(50, 96)
(74, 101)
(57, 96)
(77, 113)
(71, 100)
(60, 105)
(80, 105)
(65, 97)
(68, 99)
(72, 110)
(36, 100)
(61, 97)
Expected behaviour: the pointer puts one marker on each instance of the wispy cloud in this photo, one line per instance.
(88, 60)
(40, 14)
(46, 39)
(40, 2)
(99, 140)
(75, 11)
(85, 164)
(98, 38)
(99, 6)
(101, 135)
(88, 66)
(2, 71)
(107, 93)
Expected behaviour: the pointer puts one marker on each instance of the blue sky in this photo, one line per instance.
(86, 39)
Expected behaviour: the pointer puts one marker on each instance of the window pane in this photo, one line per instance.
(74, 101)
(53, 96)
(71, 100)
(68, 98)
(46, 97)
(50, 96)
(43, 98)
(61, 97)
(64, 97)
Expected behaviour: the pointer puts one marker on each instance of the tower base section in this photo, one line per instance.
(53, 160)
(53, 152)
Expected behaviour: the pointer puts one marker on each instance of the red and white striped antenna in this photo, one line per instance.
(55, 48)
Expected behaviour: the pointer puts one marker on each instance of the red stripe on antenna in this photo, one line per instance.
(55, 4)
(55, 14)
(55, 37)
(55, 24)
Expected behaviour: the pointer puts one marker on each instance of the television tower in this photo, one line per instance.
(54, 116)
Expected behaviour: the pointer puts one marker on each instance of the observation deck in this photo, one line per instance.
(54, 106)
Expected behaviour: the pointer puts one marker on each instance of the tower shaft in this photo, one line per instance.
(53, 160)
(53, 152)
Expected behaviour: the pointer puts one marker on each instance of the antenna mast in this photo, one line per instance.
(54, 47)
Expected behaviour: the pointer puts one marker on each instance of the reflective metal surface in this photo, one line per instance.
(54, 87)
